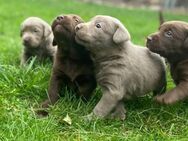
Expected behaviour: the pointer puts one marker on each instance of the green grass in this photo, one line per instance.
(22, 89)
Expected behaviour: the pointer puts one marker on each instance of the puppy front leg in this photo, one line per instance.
(53, 90)
(119, 111)
(178, 93)
(107, 103)
(53, 93)
(24, 58)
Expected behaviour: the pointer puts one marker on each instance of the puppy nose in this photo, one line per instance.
(78, 27)
(61, 17)
(26, 40)
(149, 38)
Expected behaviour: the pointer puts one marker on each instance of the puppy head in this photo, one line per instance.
(101, 31)
(63, 28)
(34, 31)
(171, 39)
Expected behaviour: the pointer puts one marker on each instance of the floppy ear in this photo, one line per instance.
(54, 43)
(121, 35)
(185, 44)
(47, 30)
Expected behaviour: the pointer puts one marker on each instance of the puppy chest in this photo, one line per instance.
(74, 69)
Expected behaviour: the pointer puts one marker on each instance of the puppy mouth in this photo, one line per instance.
(149, 45)
(54, 24)
(80, 40)
(152, 47)
(28, 44)
(155, 48)
(63, 29)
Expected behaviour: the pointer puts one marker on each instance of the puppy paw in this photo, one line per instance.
(90, 117)
(166, 98)
(119, 115)
(41, 113)
(45, 104)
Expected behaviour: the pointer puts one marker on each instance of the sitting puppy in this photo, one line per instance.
(171, 42)
(123, 70)
(72, 65)
(37, 39)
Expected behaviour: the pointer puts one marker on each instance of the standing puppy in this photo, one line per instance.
(37, 39)
(123, 70)
(73, 66)
(171, 42)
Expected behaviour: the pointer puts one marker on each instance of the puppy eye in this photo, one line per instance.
(98, 25)
(35, 30)
(168, 34)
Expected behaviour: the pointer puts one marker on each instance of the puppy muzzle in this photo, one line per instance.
(152, 40)
(57, 21)
(78, 27)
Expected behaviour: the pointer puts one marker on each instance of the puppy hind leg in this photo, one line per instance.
(180, 92)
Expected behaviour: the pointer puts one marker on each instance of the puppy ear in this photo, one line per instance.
(54, 43)
(121, 35)
(47, 30)
(185, 44)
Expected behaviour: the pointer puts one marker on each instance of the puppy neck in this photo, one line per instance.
(73, 51)
(110, 53)
(177, 57)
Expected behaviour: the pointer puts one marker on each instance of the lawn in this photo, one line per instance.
(23, 88)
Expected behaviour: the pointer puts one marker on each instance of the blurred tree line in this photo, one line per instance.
(166, 4)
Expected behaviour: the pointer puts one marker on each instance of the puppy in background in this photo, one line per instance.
(123, 70)
(72, 66)
(37, 40)
(171, 42)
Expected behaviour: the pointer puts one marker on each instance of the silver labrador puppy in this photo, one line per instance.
(37, 39)
(123, 70)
